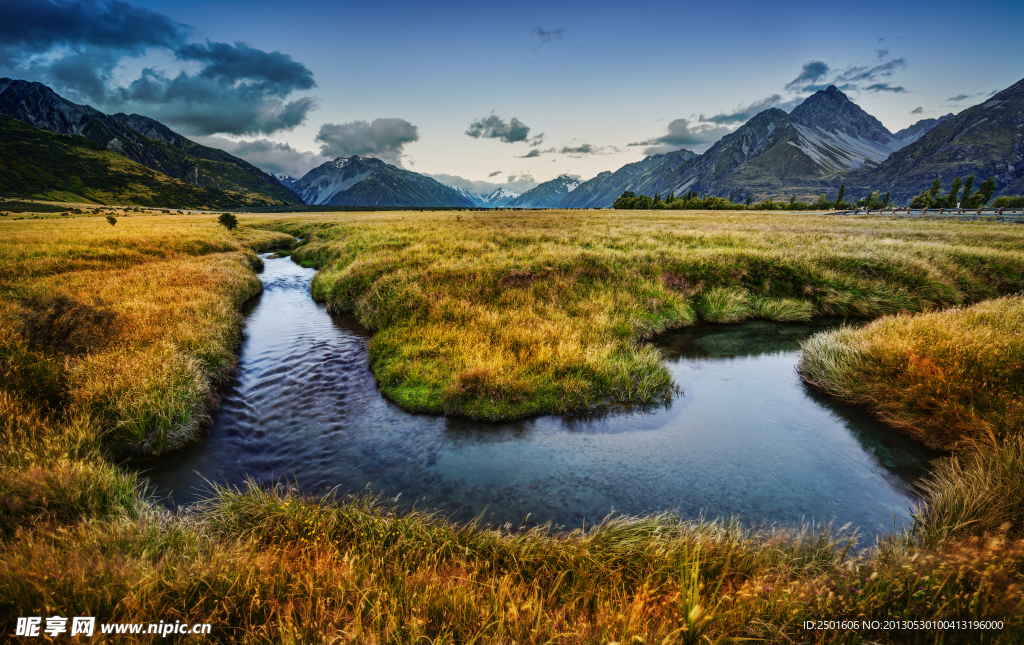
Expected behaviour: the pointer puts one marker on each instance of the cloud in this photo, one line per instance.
(75, 46)
(683, 134)
(917, 110)
(816, 76)
(384, 139)
(810, 73)
(960, 97)
(543, 36)
(531, 154)
(35, 27)
(519, 183)
(885, 87)
(584, 149)
(494, 127)
(271, 156)
(743, 113)
(494, 174)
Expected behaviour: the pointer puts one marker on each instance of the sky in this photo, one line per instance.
(479, 95)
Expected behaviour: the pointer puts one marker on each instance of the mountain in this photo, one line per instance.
(64, 167)
(986, 140)
(639, 177)
(802, 153)
(286, 180)
(547, 194)
(913, 133)
(364, 181)
(497, 198)
(141, 139)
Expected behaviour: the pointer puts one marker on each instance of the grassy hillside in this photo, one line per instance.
(38, 163)
(498, 316)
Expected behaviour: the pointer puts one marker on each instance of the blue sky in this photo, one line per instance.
(288, 84)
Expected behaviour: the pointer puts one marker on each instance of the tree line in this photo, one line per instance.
(929, 198)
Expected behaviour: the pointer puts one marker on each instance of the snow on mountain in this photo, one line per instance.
(547, 194)
(285, 179)
(365, 181)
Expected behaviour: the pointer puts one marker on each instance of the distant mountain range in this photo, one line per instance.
(986, 140)
(547, 194)
(364, 181)
(144, 141)
(825, 141)
(828, 140)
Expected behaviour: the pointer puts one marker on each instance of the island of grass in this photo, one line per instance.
(114, 338)
(503, 315)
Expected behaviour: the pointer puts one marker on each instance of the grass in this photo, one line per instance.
(951, 378)
(955, 380)
(113, 338)
(496, 316)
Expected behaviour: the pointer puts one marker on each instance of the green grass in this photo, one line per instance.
(497, 316)
(113, 338)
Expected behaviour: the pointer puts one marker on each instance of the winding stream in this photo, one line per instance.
(746, 437)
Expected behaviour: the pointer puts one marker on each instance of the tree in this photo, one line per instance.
(885, 200)
(730, 197)
(934, 190)
(954, 190)
(750, 198)
(842, 193)
(967, 191)
(111, 220)
(228, 221)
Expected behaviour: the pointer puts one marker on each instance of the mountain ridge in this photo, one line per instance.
(139, 138)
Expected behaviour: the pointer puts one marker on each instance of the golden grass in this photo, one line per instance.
(501, 315)
(952, 379)
(112, 337)
(170, 289)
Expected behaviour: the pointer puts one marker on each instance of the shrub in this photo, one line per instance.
(228, 221)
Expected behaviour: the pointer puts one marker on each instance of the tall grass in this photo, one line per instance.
(112, 340)
(952, 378)
(497, 316)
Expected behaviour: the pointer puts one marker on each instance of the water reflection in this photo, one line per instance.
(745, 438)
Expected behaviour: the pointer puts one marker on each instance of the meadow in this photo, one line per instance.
(502, 315)
(114, 339)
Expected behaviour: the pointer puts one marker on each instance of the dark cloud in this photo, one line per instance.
(885, 87)
(271, 156)
(816, 76)
(37, 26)
(75, 45)
(543, 36)
(743, 113)
(917, 110)
(584, 149)
(959, 97)
(494, 127)
(494, 174)
(384, 139)
(683, 134)
(810, 73)
(856, 74)
(531, 154)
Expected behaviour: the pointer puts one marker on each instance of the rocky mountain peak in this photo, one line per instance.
(832, 111)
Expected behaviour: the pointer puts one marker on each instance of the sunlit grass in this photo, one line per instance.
(114, 338)
(501, 315)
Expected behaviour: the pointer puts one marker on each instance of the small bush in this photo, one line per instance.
(228, 221)
(111, 220)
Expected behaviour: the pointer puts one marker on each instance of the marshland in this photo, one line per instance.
(121, 342)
